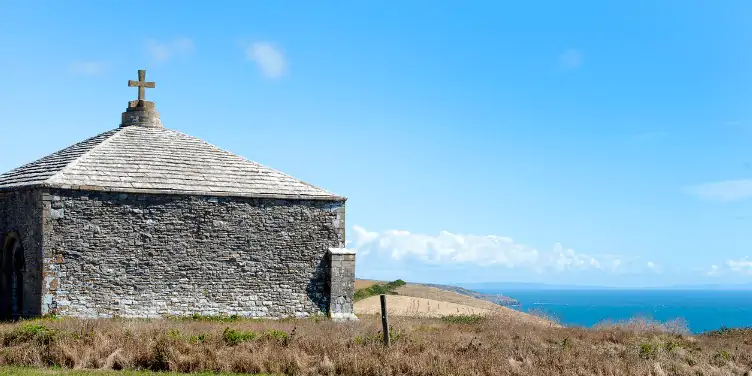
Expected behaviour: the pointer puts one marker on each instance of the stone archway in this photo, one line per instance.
(12, 269)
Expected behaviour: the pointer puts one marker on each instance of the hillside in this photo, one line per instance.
(458, 346)
(419, 300)
(493, 298)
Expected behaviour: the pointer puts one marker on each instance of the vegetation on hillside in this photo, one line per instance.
(464, 345)
(378, 289)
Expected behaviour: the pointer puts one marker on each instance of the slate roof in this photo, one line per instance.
(157, 160)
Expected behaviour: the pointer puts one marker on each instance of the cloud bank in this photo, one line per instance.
(450, 249)
(269, 59)
(740, 268)
(743, 266)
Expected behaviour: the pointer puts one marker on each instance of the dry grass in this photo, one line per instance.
(364, 283)
(419, 307)
(491, 345)
(25, 371)
(434, 293)
(426, 301)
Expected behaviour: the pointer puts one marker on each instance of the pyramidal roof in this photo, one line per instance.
(143, 157)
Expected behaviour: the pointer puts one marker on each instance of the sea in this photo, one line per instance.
(701, 310)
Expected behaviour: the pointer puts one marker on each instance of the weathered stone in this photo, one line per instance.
(141, 84)
(342, 283)
(21, 215)
(145, 221)
(193, 259)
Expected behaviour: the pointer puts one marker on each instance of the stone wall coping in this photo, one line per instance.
(341, 251)
(90, 188)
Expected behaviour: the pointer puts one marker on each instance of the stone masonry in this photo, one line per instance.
(153, 255)
(144, 221)
(21, 215)
(342, 283)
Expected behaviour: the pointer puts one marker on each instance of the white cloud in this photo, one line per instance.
(163, 51)
(714, 270)
(87, 68)
(571, 58)
(743, 266)
(653, 267)
(562, 259)
(269, 58)
(729, 190)
(448, 248)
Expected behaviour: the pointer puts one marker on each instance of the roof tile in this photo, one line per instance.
(134, 158)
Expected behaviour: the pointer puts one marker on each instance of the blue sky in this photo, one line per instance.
(581, 142)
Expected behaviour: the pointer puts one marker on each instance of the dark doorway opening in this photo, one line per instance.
(12, 271)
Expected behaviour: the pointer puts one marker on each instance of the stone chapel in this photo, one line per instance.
(145, 221)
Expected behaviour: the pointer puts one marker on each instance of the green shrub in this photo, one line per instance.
(378, 289)
(30, 332)
(566, 343)
(462, 319)
(672, 345)
(278, 335)
(395, 284)
(205, 318)
(198, 338)
(648, 351)
(212, 318)
(233, 337)
(720, 358)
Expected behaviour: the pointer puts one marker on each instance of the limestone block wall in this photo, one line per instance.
(342, 283)
(150, 255)
(21, 215)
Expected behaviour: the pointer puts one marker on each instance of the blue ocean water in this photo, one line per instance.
(702, 310)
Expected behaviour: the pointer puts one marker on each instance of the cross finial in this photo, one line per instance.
(141, 84)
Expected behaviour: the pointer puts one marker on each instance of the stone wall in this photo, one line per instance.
(342, 283)
(150, 255)
(21, 215)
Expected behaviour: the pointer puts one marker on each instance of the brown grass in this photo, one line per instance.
(493, 345)
(434, 293)
(363, 283)
(427, 301)
(419, 307)
(25, 371)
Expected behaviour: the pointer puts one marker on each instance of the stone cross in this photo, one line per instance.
(141, 84)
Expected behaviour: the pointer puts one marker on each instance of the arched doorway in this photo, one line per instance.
(12, 271)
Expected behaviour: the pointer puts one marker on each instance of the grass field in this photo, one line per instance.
(26, 371)
(454, 345)
(426, 301)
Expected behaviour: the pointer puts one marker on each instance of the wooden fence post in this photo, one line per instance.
(385, 322)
